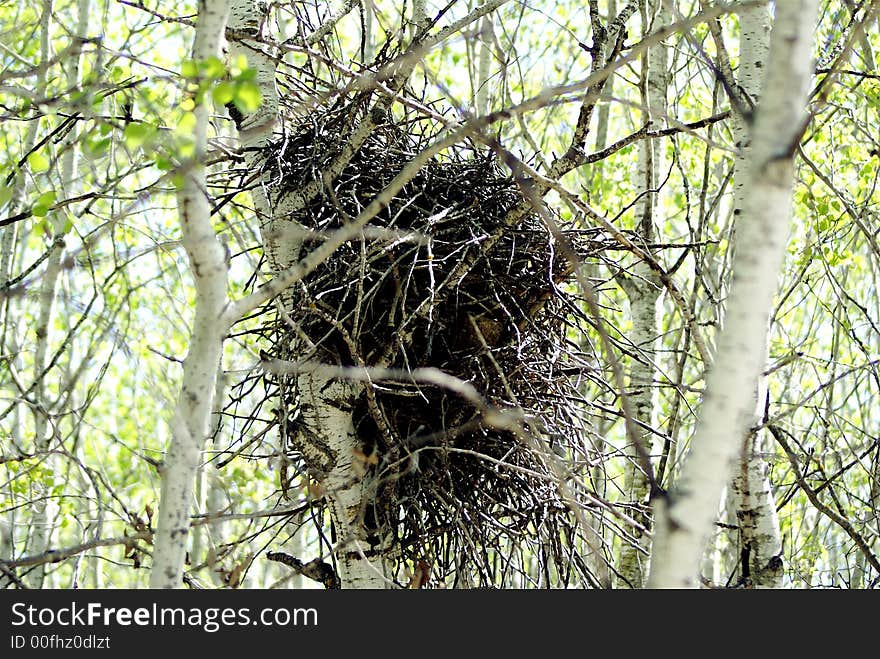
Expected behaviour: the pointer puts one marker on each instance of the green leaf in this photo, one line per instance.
(5, 194)
(213, 68)
(97, 147)
(187, 124)
(189, 69)
(43, 204)
(223, 93)
(238, 66)
(247, 97)
(137, 134)
(38, 162)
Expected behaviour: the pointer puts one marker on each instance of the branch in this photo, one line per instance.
(842, 522)
(316, 570)
(58, 555)
(645, 134)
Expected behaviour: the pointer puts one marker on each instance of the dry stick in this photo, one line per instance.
(560, 167)
(589, 296)
(563, 165)
(570, 160)
(396, 69)
(10, 574)
(499, 419)
(58, 555)
(560, 473)
(72, 50)
(397, 72)
(377, 412)
(842, 522)
(664, 276)
(594, 84)
(740, 101)
(619, 236)
(330, 23)
(533, 199)
(216, 518)
(429, 375)
(645, 133)
(316, 570)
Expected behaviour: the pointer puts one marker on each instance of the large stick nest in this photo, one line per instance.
(453, 490)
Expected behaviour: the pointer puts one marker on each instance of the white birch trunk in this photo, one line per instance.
(209, 268)
(367, 36)
(40, 533)
(685, 519)
(209, 497)
(10, 242)
(643, 289)
(484, 61)
(328, 443)
(753, 496)
(419, 16)
(41, 523)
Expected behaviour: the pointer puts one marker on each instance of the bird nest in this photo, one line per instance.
(442, 279)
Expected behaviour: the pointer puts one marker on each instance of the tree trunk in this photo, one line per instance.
(754, 503)
(40, 531)
(643, 289)
(327, 440)
(209, 267)
(41, 523)
(484, 62)
(686, 517)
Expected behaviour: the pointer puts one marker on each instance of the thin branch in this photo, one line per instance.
(779, 434)
(58, 555)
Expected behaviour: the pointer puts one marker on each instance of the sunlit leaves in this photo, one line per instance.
(136, 134)
(247, 96)
(96, 146)
(42, 204)
(223, 93)
(189, 69)
(38, 162)
(233, 84)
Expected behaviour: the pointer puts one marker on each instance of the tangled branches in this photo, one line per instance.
(451, 487)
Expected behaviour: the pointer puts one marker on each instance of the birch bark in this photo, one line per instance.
(484, 62)
(41, 523)
(643, 289)
(328, 443)
(209, 267)
(753, 498)
(685, 518)
(40, 533)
